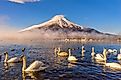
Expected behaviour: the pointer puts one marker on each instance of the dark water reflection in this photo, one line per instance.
(59, 67)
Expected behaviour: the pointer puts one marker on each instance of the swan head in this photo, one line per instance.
(105, 53)
(6, 56)
(5, 53)
(21, 58)
(55, 49)
(82, 47)
(23, 49)
(58, 49)
(69, 49)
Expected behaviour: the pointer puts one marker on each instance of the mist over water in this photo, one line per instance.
(14, 34)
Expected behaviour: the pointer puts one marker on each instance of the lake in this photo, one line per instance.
(58, 67)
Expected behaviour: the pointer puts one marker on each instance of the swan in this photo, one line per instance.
(93, 52)
(99, 57)
(114, 51)
(34, 67)
(61, 53)
(112, 65)
(119, 55)
(12, 60)
(83, 51)
(70, 57)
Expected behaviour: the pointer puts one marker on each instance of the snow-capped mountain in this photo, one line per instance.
(59, 26)
(59, 22)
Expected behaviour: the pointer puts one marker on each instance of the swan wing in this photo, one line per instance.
(36, 66)
(114, 65)
(13, 60)
(63, 54)
(99, 57)
(72, 58)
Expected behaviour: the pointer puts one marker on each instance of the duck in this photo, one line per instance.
(12, 60)
(33, 67)
(60, 53)
(112, 65)
(99, 57)
(70, 57)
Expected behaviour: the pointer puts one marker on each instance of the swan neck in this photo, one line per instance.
(69, 52)
(58, 51)
(55, 50)
(93, 50)
(24, 64)
(120, 51)
(6, 58)
(104, 54)
(83, 49)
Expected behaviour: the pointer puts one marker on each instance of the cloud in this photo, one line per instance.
(23, 1)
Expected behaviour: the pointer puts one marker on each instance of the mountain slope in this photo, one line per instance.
(59, 22)
(61, 27)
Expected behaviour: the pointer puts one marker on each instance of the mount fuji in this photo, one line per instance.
(61, 27)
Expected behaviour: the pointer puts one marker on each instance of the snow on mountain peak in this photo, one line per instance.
(58, 19)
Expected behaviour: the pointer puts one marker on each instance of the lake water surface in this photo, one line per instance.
(58, 67)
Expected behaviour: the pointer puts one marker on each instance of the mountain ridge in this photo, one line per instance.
(62, 27)
(58, 20)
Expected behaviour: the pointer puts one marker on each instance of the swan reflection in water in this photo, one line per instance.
(9, 65)
(32, 75)
(72, 65)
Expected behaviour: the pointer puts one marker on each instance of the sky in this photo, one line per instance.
(102, 15)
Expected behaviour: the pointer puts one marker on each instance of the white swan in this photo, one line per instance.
(34, 67)
(119, 55)
(99, 57)
(60, 53)
(93, 52)
(83, 50)
(70, 57)
(113, 51)
(12, 60)
(112, 65)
